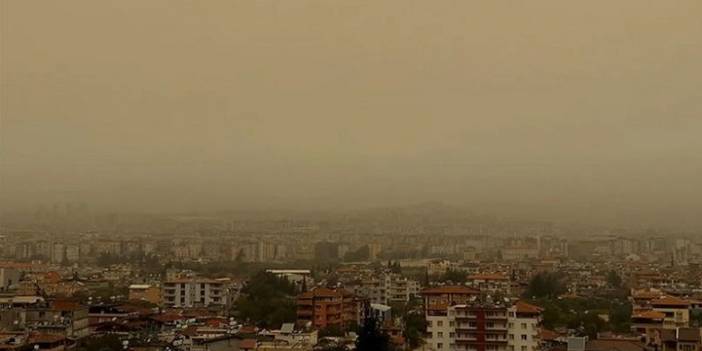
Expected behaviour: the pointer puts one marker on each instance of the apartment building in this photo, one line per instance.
(475, 327)
(457, 320)
(323, 307)
(66, 318)
(195, 292)
(523, 326)
(676, 310)
(490, 282)
(646, 323)
(440, 312)
(387, 288)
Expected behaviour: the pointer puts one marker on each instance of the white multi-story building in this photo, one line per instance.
(387, 288)
(195, 292)
(457, 321)
(490, 282)
(523, 327)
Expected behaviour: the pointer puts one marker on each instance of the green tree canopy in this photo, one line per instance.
(545, 285)
(267, 300)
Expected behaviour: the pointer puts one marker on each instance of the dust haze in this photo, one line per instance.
(570, 111)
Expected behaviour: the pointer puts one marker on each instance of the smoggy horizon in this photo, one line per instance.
(552, 110)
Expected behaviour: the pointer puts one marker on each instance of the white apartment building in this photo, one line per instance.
(387, 288)
(195, 292)
(457, 321)
(523, 327)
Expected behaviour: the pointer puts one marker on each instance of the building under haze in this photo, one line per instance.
(195, 292)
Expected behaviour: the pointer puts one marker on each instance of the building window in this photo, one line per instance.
(524, 325)
(524, 348)
(511, 336)
(440, 345)
(439, 323)
(524, 337)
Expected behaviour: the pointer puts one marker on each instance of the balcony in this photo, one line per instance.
(466, 327)
(496, 328)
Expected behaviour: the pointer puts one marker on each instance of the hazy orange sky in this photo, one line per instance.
(587, 110)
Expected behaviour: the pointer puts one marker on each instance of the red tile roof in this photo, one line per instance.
(670, 301)
(548, 335)
(523, 307)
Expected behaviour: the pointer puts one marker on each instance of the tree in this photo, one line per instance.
(454, 276)
(370, 337)
(415, 327)
(620, 316)
(332, 330)
(412, 316)
(267, 300)
(696, 318)
(545, 285)
(583, 314)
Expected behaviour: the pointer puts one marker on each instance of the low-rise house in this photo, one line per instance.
(676, 310)
(61, 317)
(680, 339)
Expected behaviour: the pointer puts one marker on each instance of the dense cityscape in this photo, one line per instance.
(429, 277)
(350, 175)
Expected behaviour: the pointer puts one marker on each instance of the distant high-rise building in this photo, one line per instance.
(326, 251)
